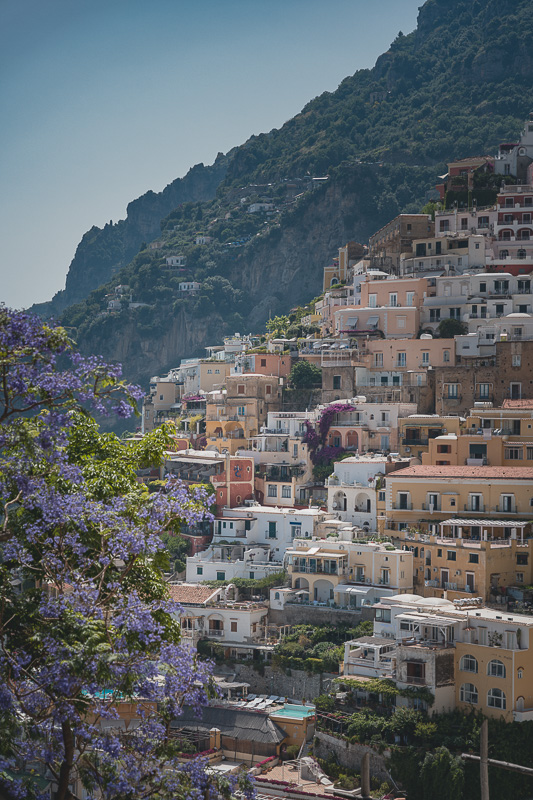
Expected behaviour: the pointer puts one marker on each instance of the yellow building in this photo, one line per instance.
(237, 412)
(417, 431)
(494, 665)
(488, 436)
(467, 527)
(345, 573)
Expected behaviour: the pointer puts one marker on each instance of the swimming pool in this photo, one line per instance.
(295, 711)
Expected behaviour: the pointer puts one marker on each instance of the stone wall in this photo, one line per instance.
(296, 686)
(350, 755)
(294, 614)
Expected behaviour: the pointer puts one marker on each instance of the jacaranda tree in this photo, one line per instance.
(85, 621)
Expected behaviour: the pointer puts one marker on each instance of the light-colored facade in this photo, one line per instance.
(468, 527)
(470, 657)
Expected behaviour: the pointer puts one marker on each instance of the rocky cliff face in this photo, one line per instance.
(103, 251)
(283, 269)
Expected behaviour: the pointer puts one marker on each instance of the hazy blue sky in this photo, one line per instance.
(104, 99)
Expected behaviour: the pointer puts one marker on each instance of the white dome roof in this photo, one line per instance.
(434, 601)
(405, 598)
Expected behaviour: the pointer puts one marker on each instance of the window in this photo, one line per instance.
(286, 491)
(444, 225)
(475, 502)
(269, 389)
(520, 673)
(468, 663)
(221, 576)
(233, 626)
(372, 300)
(401, 322)
(240, 388)
(383, 615)
(482, 635)
(272, 492)
(393, 299)
(514, 453)
(378, 359)
(517, 361)
(496, 669)
(336, 381)
(241, 411)
(199, 570)
(483, 390)
(473, 558)
(401, 359)
(468, 694)
(522, 559)
(425, 358)
(410, 297)
(263, 362)
(529, 453)
(381, 497)
(496, 699)
(453, 390)
(403, 500)
(446, 356)
(507, 502)
(217, 372)
(272, 530)
(452, 555)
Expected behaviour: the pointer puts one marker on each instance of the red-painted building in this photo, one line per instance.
(235, 483)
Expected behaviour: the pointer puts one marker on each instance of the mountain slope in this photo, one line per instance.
(456, 86)
(103, 251)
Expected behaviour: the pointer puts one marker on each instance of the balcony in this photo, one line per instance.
(215, 632)
(414, 680)
(303, 570)
(422, 441)
(402, 506)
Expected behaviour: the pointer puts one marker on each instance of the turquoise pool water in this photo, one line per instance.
(294, 711)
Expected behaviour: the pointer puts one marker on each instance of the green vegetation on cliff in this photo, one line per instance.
(456, 86)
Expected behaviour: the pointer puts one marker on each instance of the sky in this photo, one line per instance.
(104, 99)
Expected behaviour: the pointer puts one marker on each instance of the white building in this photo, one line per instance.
(250, 542)
(352, 490)
(218, 615)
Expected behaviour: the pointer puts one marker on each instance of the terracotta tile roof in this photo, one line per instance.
(526, 403)
(431, 471)
(191, 593)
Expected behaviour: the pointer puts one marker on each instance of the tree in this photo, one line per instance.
(277, 326)
(448, 328)
(85, 620)
(442, 775)
(305, 375)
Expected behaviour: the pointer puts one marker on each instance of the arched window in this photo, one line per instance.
(496, 668)
(521, 253)
(496, 698)
(504, 253)
(468, 694)
(468, 663)
(277, 595)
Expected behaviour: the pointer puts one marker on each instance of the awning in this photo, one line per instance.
(352, 321)
(373, 322)
(490, 523)
(350, 590)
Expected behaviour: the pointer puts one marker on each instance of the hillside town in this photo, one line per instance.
(378, 469)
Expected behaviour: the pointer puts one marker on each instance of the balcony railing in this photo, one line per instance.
(215, 632)
(403, 506)
(420, 442)
(415, 680)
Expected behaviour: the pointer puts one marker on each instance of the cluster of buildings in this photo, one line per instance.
(423, 521)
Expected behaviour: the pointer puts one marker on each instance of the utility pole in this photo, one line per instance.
(484, 759)
(485, 762)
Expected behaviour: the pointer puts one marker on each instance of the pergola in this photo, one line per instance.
(512, 526)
